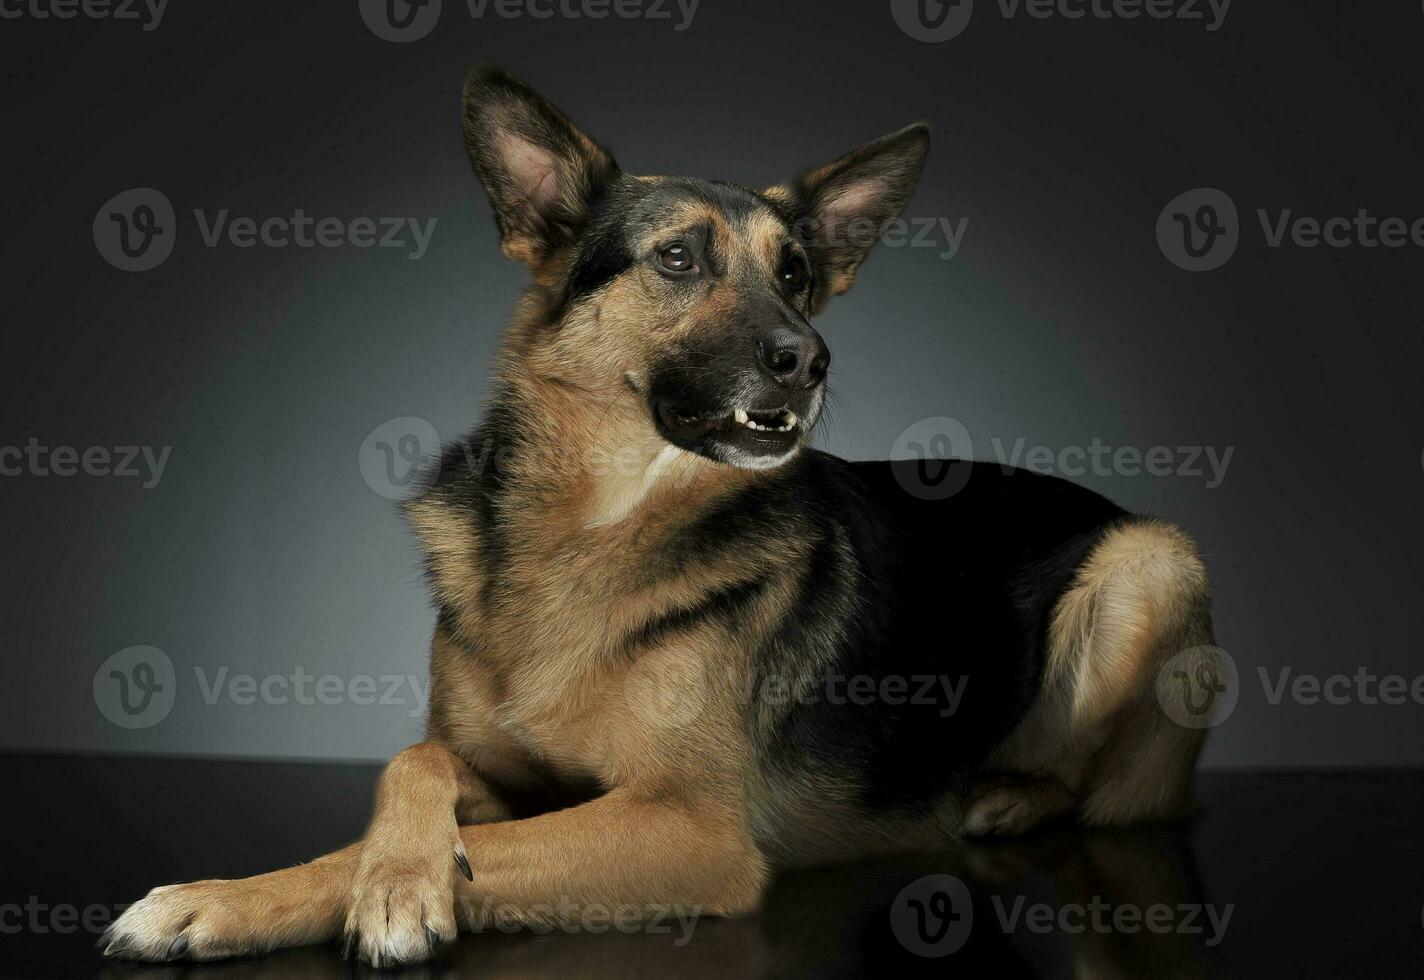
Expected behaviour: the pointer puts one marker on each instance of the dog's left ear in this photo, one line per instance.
(540, 170)
(843, 208)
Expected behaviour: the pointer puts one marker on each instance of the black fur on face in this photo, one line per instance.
(705, 289)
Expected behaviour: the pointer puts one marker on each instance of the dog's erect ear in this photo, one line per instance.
(541, 172)
(843, 208)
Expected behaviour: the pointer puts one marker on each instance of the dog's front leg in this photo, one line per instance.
(624, 854)
(400, 905)
(420, 795)
(214, 919)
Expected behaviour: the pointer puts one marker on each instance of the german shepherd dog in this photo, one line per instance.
(676, 647)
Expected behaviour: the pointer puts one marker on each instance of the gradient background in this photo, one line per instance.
(1059, 322)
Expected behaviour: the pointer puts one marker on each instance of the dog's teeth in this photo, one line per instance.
(789, 421)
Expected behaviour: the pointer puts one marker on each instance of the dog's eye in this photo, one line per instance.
(677, 257)
(795, 272)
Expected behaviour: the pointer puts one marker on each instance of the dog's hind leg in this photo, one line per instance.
(1139, 600)
(1013, 804)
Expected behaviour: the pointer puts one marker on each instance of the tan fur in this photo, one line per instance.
(1139, 599)
(549, 689)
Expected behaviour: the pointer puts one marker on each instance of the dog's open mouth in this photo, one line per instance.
(738, 436)
(776, 421)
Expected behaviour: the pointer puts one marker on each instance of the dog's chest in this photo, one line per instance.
(562, 677)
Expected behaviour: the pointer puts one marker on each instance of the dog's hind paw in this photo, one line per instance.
(1015, 805)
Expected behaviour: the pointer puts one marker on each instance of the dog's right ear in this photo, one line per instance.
(540, 171)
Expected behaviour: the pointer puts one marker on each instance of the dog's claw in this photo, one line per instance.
(348, 943)
(432, 937)
(178, 947)
(464, 864)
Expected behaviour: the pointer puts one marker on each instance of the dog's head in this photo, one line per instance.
(692, 297)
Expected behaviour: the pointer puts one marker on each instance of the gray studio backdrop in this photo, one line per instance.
(1085, 285)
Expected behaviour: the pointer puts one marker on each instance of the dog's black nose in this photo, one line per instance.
(795, 358)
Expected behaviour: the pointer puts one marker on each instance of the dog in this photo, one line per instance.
(676, 647)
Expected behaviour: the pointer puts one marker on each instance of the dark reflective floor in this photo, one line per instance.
(1282, 875)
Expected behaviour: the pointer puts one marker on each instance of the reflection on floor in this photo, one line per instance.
(1286, 874)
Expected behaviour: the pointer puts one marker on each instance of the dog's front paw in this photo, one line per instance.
(403, 901)
(200, 920)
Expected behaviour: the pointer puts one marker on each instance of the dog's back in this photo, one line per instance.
(938, 640)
